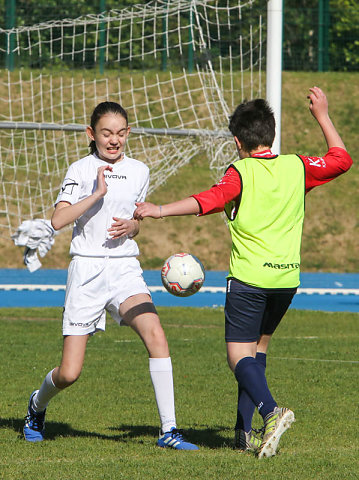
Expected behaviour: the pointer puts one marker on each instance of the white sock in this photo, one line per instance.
(45, 394)
(162, 381)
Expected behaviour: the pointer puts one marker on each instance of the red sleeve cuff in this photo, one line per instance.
(320, 170)
(208, 203)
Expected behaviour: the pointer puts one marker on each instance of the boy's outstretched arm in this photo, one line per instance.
(319, 109)
(187, 206)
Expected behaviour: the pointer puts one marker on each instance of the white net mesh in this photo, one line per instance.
(179, 64)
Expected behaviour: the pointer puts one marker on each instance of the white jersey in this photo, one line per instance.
(126, 184)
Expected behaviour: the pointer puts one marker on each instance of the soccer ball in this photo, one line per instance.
(182, 274)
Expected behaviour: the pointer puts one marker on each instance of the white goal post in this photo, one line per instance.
(179, 67)
(274, 65)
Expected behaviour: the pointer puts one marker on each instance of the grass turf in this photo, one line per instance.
(105, 426)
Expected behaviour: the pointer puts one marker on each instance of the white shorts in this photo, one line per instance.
(96, 285)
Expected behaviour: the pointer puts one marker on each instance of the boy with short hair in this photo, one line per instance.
(263, 197)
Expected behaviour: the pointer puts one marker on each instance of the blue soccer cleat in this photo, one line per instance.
(34, 423)
(174, 439)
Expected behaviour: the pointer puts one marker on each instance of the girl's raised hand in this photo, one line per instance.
(101, 188)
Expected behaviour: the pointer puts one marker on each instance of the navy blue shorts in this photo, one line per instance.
(252, 311)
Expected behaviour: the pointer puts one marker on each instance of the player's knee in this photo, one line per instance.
(156, 341)
(155, 334)
(67, 377)
(231, 363)
(160, 338)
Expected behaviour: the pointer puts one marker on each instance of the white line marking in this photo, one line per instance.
(124, 341)
(331, 291)
(32, 287)
(154, 288)
(315, 360)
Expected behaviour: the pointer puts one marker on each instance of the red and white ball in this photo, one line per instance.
(182, 274)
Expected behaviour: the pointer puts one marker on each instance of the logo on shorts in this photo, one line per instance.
(282, 266)
(85, 325)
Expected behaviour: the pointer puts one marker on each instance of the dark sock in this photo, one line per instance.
(246, 407)
(251, 377)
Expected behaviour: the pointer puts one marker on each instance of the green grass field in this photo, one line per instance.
(105, 426)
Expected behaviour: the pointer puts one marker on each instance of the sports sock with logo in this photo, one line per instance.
(246, 407)
(250, 375)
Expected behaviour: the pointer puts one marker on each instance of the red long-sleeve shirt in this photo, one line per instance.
(318, 170)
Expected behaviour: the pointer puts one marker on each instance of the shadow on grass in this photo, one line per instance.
(57, 429)
(208, 437)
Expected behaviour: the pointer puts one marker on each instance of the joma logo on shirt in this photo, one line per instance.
(120, 177)
(281, 266)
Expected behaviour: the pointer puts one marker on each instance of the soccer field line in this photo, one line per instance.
(155, 288)
(322, 360)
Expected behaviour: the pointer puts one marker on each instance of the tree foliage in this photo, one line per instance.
(301, 44)
(301, 26)
(344, 31)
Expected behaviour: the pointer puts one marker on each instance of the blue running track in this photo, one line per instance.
(331, 292)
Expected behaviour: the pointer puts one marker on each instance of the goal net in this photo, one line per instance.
(179, 67)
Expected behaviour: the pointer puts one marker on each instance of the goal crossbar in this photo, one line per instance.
(188, 132)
